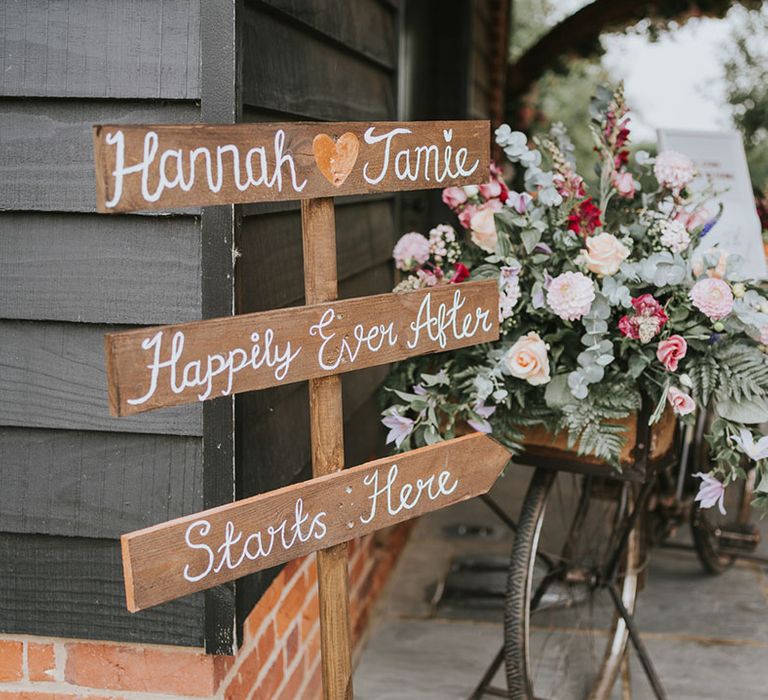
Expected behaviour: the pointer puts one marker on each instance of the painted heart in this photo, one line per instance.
(335, 159)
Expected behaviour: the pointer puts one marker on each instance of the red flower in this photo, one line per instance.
(648, 320)
(460, 273)
(584, 218)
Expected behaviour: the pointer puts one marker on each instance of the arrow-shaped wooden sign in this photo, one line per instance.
(199, 551)
(167, 365)
(156, 167)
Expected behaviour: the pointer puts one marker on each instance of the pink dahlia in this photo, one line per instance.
(411, 250)
(713, 297)
(673, 170)
(570, 295)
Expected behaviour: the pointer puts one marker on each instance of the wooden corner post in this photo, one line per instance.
(318, 230)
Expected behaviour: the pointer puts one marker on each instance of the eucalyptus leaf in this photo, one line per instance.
(557, 394)
(530, 238)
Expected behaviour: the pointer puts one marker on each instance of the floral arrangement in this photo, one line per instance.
(603, 296)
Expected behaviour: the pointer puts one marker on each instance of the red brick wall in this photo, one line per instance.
(279, 658)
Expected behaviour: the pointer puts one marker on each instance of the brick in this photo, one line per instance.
(310, 615)
(263, 608)
(313, 690)
(291, 688)
(290, 569)
(271, 681)
(292, 644)
(11, 660)
(41, 661)
(221, 667)
(116, 667)
(250, 666)
(290, 606)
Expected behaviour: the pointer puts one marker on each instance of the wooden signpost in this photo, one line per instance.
(205, 549)
(168, 365)
(162, 167)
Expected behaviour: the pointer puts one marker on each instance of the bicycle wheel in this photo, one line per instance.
(562, 636)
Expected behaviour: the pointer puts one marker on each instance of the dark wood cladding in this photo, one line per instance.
(46, 153)
(73, 587)
(87, 484)
(52, 375)
(80, 268)
(125, 49)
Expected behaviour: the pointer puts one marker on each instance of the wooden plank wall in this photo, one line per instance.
(328, 60)
(72, 478)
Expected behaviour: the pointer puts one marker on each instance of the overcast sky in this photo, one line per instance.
(676, 82)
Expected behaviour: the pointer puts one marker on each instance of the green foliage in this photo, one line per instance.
(746, 75)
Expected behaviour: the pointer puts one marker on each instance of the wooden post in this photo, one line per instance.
(318, 229)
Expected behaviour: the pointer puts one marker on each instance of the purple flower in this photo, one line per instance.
(519, 201)
(542, 248)
(399, 426)
(482, 410)
(482, 426)
(419, 390)
(711, 492)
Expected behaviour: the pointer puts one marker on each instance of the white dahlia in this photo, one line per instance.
(570, 295)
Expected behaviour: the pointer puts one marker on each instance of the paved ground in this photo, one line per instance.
(708, 636)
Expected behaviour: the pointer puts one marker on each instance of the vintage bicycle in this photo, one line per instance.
(580, 554)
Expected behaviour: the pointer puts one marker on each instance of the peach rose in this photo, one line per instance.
(483, 230)
(604, 254)
(527, 359)
(682, 404)
(671, 351)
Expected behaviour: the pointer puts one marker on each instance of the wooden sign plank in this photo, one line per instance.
(168, 365)
(170, 166)
(199, 551)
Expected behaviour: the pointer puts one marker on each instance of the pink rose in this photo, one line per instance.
(454, 197)
(527, 359)
(604, 254)
(483, 229)
(624, 184)
(682, 404)
(491, 190)
(713, 297)
(671, 351)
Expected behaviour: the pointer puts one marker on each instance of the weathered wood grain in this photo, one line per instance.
(87, 48)
(161, 166)
(46, 152)
(339, 85)
(72, 587)
(270, 271)
(52, 375)
(364, 27)
(370, 497)
(326, 419)
(132, 269)
(164, 366)
(86, 484)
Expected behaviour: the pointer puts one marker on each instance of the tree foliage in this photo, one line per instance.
(746, 77)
